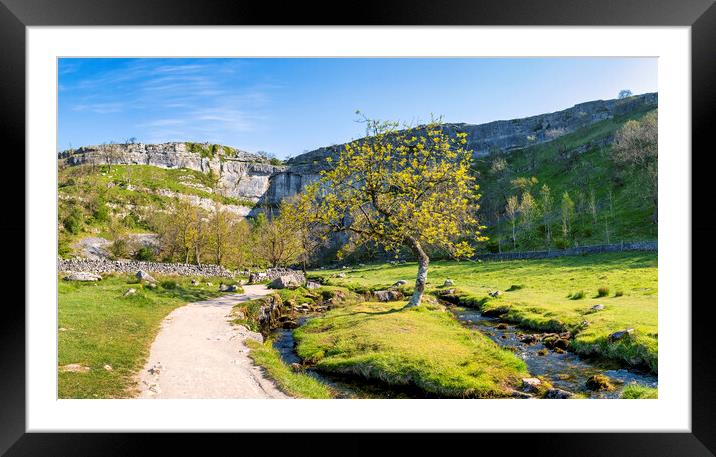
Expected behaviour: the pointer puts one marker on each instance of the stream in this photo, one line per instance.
(567, 371)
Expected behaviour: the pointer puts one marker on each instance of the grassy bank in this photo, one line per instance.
(98, 326)
(293, 383)
(424, 347)
(546, 295)
(636, 392)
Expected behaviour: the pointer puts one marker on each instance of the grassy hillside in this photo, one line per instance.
(103, 200)
(579, 163)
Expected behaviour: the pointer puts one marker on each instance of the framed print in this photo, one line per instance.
(405, 220)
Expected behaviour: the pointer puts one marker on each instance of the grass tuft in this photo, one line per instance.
(293, 383)
(635, 391)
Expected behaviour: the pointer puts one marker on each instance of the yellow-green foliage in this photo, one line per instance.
(424, 347)
(402, 188)
(99, 326)
(295, 384)
(543, 303)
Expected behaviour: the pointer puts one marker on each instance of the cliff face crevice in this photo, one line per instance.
(251, 177)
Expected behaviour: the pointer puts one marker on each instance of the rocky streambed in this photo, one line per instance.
(547, 358)
(548, 361)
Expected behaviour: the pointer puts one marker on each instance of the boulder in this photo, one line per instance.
(599, 382)
(144, 276)
(400, 283)
(130, 291)
(531, 384)
(284, 282)
(387, 295)
(340, 275)
(621, 334)
(289, 324)
(228, 288)
(596, 308)
(82, 276)
(296, 367)
(194, 282)
(494, 294)
(313, 285)
(448, 283)
(518, 394)
(151, 285)
(559, 394)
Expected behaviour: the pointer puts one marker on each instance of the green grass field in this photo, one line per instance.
(543, 301)
(424, 347)
(98, 326)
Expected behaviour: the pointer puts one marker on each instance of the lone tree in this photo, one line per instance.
(402, 189)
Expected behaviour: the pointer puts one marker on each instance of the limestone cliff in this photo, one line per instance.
(240, 174)
(251, 177)
(481, 139)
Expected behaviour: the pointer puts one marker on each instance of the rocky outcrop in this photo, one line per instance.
(241, 174)
(505, 135)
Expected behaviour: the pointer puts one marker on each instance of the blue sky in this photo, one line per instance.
(288, 106)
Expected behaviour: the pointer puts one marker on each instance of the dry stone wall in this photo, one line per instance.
(579, 250)
(132, 266)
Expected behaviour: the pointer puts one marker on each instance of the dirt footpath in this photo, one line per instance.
(198, 354)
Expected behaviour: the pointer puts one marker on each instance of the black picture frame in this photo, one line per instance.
(700, 15)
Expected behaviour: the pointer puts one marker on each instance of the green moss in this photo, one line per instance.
(247, 313)
(423, 347)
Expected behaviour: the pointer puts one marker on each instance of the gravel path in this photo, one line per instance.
(198, 354)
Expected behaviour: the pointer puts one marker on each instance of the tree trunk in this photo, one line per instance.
(422, 279)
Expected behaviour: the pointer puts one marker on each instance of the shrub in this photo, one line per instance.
(578, 295)
(603, 291)
(101, 214)
(618, 293)
(492, 246)
(130, 221)
(144, 253)
(275, 161)
(119, 248)
(169, 284)
(561, 243)
(515, 287)
(73, 222)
